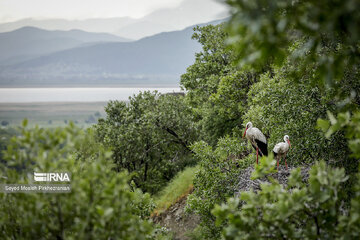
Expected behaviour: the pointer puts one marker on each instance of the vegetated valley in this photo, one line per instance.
(168, 166)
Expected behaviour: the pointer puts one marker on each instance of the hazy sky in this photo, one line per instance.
(12, 10)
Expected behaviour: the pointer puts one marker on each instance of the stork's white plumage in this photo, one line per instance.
(257, 140)
(281, 149)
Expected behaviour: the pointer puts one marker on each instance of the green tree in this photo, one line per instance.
(149, 137)
(202, 78)
(101, 204)
(263, 30)
(216, 89)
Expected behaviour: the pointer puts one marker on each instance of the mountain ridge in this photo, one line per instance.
(158, 59)
(30, 42)
(187, 13)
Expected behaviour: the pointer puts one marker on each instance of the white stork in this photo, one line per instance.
(281, 149)
(257, 139)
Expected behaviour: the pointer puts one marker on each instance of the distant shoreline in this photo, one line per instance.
(92, 86)
(75, 94)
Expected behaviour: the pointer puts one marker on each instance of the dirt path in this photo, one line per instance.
(177, 221)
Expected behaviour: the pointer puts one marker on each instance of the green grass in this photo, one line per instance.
(180, 186)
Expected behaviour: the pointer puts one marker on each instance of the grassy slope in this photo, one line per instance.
(180, 186)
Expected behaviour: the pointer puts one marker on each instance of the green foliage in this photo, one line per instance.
(344, 121)
(216, 89)
(216, 179)
(101, 204)
(263, 30)
(266, 166)
(298, 211)
(279, 106)
(142, 204)
(349, 225)
(5, 135)
(202, 78)
(149, 137)
(314, 49)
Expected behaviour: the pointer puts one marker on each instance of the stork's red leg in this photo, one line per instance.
(286, 163)
(257, 155)
(277, 163)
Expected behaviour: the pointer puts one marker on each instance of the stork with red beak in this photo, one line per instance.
(257, 140)
(281, 149)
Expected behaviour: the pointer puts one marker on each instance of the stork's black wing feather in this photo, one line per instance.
(262, 146)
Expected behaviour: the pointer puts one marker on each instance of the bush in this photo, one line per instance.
(101, 204)
(149, 137)
(5, 135)
(298, 211)
(216, 179)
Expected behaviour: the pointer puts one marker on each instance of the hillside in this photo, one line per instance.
(30, 42)
(184, 225)
(157, 59)
(171, 203)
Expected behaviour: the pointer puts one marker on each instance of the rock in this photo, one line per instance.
(177, 221)
(247, 184)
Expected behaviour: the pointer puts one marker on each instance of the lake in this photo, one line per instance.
(28, 95)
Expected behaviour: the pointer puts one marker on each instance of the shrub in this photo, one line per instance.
(100, 205)
(298, 211)
(216, 179)
(149, 137)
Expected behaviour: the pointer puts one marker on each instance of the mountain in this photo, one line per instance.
(144, 28)
(30, 42)
(170, 19)
(155, 60)
(108, 25)
(187, 13)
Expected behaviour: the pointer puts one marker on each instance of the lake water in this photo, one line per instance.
(27, 95)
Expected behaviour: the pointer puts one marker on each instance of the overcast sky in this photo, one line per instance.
(12, 10)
